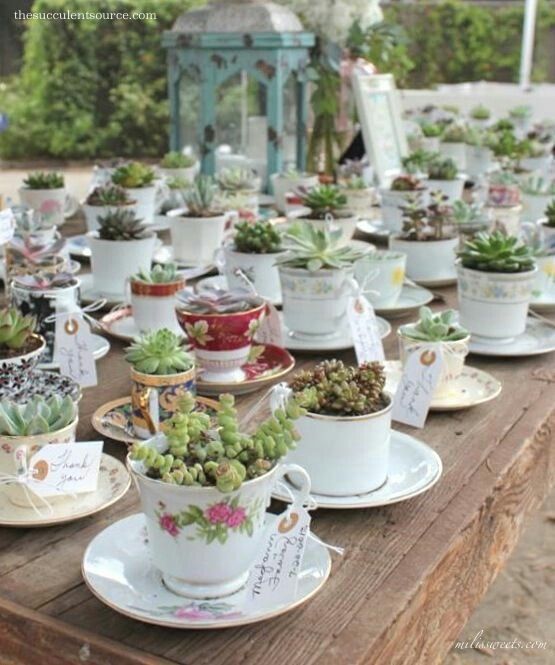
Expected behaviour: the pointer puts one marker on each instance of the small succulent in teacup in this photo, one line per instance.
(218, 301)
(42, 180)
(16, 331)
(480, 112)
(431, 130)
(34, 249)
(503, 177)
(416, 162)
(406, 183)
(504, 143)
(533, 148)
(108, 195)
(454, 133)
(237, 179)
(211, 450)
(354, 182)
(332, 388)
(46, 281)
(37, 416)
(430, 327)
(27, 222)
(467, 214)
(159, 274)
(315, 249)
(159, 353)
(432, 222)
(496, 252)
(177, 160)
(122, 225)
(324, 200)
(200, 198)
(477, 137)
(538, 186)
(442, 169)
(262, 237)
(133, 175)
(520, 112)
(550, 215)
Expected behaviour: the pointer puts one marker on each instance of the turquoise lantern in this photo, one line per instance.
(238, 77)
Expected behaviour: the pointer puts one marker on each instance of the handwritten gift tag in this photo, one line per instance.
(65, 468)
(7, 226)
(364, 330)
(274, 577)
(416, 387)
(270, 331)
(74, 349)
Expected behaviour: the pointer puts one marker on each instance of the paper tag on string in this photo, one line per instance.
(274, 576)
(270, 330)
(65, 468)
(416, 388)
(7, 226)
(74, 347)
(364, 331)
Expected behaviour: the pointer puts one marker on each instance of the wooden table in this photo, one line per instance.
(411, 575)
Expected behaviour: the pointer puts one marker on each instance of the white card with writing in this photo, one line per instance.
(416, 387)
(7, 226)
(364, 330)
(74, 349)
(274, 576)
(270, 330)
(65, 468)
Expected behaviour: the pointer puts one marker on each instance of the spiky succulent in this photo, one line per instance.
(160, 353)
(200, 198)
(218, 301)
(122, 225)
(160, 274)
(314, 249)
(416, 162)
(15, 329)
(177, 160)
(133, 175)
(496, 252)
(204, 450)
(431, 129)
(332, 388)
(504, 143)
(37, 416)
(430, 327)
(42, 180)
(454, 133)
(502, 178)
(237, 179)
(108, 195)
(442, 169)
(480, 112)
(406, 183)
(324, 200)
(538, 186)
(261, 237)
(550, 215)
(468, 213)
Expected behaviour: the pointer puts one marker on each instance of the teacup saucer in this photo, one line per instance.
(78, 246)
(89, 294)
(164, 254)
(448, 280)
(538, 338)
(317, 343)
(411, 298)
(113, 419)
(220, 282)
(544, 302)
(271, 364)
(118, 570)
(113, 483)
(473, 387)
(413, 469)
(375, 228)
(101, 347)
(121, 325)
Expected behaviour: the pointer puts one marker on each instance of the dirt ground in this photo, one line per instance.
(521, 603)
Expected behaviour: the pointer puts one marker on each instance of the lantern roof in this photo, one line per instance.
(239, 16)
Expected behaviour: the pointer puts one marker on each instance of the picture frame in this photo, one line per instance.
(379, 109)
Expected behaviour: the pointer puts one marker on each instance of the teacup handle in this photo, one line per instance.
(304, 491)
(146, 398)
(352, 287)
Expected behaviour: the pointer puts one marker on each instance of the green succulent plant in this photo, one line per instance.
(505, 144)
(324, 200)
(431, 130)
(454, 133)
(314, 249)
(15, 330)
(538, 186)
(133, 175)
(203, 450)
(41, 180)
(108, 195)
(480, 112)
(426, 223)
(496, 252)
(467, 213)
(261, 237)
(355, 183)
(520, 112)
(121, 224)
(477, 137)
(503, 178)
(442, 169)
(416, 162)
(37, 416)
(177, 160)
(237, 179)
(550, 215)
(159, 353)
(160, 274)
(406, 183)
(211, 300)
(430, 327)
(332, 388)
(200, 198)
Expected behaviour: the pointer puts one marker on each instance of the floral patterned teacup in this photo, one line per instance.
(202, 540)
(222, 342)
(381, 275)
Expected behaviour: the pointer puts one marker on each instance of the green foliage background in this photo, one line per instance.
(93, 89)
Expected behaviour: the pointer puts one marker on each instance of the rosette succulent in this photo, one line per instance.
(160, 274)
(431, 129)
(430, 327)
(42, 180)
(37, 416)
(108, 195)
(237, 179)
(218, 301)
(550, 215)
(496, 252)
(15, 330)
(324, 200)
(261, 237)
(442, 169)
(200, 198)
(454, 133)
(121, 225)
(202, 450)
(177, 160)
(159, 353)
(133, 175)
(332, 388)
(406, 183)
(416, 162)
(480, 112)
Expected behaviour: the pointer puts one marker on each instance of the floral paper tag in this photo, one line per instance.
(416, 387)
(364, 330)
(65, 468)
(74, 349)
(270, 330)
(7, 226)
(274, 576)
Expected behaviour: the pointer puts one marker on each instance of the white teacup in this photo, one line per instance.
(381, 275)
(544, 286)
